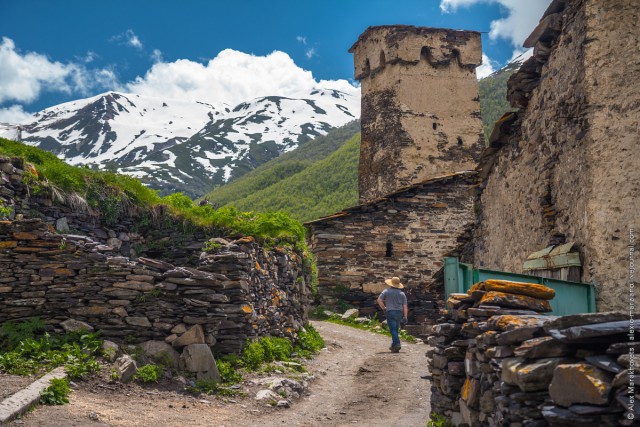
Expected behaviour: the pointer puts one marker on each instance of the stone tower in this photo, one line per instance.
(420, 106)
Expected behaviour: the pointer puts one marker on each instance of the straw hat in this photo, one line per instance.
(394, 282)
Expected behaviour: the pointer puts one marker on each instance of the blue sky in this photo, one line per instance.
(217, 51)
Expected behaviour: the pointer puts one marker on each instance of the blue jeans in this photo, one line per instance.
(393, 320)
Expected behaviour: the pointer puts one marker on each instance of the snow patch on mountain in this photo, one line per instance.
(177, 145)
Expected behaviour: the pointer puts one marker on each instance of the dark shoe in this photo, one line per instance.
(395, 349)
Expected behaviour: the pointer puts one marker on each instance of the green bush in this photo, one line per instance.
(149, 373)
(276, 348)
(252, 355)
(57, 393)
(5, 211)
(75, 352)
(12, 333)
(309, 341)
(228, 372)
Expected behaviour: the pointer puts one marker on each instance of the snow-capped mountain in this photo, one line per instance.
(177, 145)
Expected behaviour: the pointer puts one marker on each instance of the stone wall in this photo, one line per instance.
(420, 106)
(405, 234)
(566, 170)
(504, 364)
(236, 291)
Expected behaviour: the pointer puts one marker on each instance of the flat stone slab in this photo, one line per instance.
(19, 402)
(564, 322)
(603, 331)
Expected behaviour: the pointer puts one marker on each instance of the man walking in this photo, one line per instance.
(394, 303)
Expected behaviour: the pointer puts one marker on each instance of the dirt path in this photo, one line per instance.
(358, 382)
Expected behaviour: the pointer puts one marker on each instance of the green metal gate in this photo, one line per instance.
(571, 297)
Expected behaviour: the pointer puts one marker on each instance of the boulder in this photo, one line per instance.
(180, 328)
(161, 352)
(62, 225)
(580, 383)
(194, 335)
(536, 376)
(510, 369)
(536, 348)
(267, 395)
(143, 322)
(198, 358)
(471, 392)
(350, 314)
(110, 350)
(125, 367)
(517, 335)
(73, 325)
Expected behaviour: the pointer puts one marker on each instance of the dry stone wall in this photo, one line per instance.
(500, 362)
(566, 170)
(406, 234)
(236, 291)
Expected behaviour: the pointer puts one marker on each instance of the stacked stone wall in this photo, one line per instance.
(567, 169)
(236, 291)
(507, 365)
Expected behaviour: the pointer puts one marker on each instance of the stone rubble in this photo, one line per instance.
(506, 364)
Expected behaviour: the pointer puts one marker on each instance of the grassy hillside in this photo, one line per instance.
(287, 165)
(323, 188)
(112, 196)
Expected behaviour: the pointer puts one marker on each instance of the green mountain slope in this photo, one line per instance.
(325, 187)
(320, 177)
(493, 96)
(284, 166)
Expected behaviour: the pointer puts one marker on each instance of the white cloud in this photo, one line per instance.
(450, 6)
(232, 77)
(301, 39)
(156, 55)
(310, 53)
(522, 17)
(128, 38)
(488, 66)
(24, 76)
(14, 114)
(88, 58)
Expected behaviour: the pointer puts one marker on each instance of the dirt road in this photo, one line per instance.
(358, 382)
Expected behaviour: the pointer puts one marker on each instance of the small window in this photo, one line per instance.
(435, 126)
(383, 60)
(389, 253)
(459, 141)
